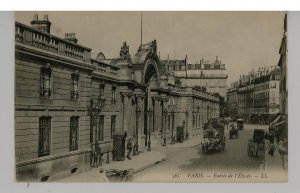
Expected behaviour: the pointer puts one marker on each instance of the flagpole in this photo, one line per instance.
(141, 28)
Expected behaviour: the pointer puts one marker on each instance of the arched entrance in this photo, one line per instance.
(151, 79)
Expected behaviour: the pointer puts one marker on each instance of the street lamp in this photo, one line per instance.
(95, 110)
(149, 140)
(165, 112)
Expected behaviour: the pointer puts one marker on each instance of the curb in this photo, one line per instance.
(150, 165)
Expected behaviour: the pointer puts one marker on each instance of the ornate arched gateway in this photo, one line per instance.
(152, 78)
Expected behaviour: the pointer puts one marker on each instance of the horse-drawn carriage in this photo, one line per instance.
(213, 136)
(117, 175)
(256, 144)
(233, 132)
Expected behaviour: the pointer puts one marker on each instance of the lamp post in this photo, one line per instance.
(165, 112)
(149, 139)
(95, 110)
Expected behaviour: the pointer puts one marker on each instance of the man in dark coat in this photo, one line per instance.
(129, 148)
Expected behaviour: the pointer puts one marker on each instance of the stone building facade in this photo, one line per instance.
(282, 63)
(67, 103)
(233, 102)
(211, 75)
(257, 96)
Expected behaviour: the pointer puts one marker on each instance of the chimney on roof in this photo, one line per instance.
(71, 37)
(42, 25)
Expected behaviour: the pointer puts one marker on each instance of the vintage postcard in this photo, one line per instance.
(151, 97)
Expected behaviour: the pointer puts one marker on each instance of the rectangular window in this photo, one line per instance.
(75, 85)
(102, 86)
(74, 127)
(101, 128)
(113, 126)
(113, 97)
(44, 136)
(45, 83)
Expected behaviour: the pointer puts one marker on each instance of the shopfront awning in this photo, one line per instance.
(279, 123)
(275, 121)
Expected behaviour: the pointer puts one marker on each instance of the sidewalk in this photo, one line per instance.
(273, 164)
(195, 140)
(142, 161)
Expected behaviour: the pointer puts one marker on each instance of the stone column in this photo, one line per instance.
(153, 114)
(139, 121)
(126, 111)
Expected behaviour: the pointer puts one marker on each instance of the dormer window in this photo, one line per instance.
(75, 85)
(45, 89)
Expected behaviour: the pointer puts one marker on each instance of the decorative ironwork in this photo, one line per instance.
(46, 81)
(74, 127)
(75, 85)
(44, 136)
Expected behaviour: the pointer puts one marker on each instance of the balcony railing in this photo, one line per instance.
(30, 36)
(195, 92)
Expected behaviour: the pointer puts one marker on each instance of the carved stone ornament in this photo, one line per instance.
(124, 52)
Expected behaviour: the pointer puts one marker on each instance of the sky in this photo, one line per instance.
(242, 40)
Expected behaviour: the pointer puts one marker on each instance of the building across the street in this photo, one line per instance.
(69, 105)
(256, 95)
(211, 76)
(232, 98)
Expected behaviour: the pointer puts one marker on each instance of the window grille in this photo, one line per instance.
(75, 85)
(45, 88)
(44, 136)
(74, 127)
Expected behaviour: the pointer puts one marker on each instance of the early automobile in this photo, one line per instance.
(240, 124)
(213, 136)
(256, 144)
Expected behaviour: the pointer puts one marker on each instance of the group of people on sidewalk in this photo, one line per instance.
(281, 145)
(132, 147)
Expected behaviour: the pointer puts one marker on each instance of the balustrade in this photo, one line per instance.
(36, 38)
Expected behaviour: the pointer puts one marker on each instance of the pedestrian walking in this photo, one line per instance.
(129, 148)
(283, 151)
